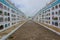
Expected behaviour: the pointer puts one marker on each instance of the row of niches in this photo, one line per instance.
(4, 13)
(56, 12)
(13, 19)
(48, 14)
(6, 8)
(13, 23)
(13, 15)
(4, 26)
(56, 18)
(47, 18)
(53, 18)
(2, 19)
(53, 8)
(47, 22)
(56, 7)
(53, 13)
(55, 23)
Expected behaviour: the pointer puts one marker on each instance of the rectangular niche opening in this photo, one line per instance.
(6, 25)
(1, 5)
(1, 27)
(1, 19)
(1, 12)
(56, 23)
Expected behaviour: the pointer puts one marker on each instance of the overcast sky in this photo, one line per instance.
(30, 7)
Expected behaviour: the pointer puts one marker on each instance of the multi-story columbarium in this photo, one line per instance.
(49, 15)
(9, 15)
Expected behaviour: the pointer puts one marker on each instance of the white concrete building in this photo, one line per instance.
(9, 15)
(50, 14)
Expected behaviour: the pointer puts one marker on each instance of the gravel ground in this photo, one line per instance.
(33, 31)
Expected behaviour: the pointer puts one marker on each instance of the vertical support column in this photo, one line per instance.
(38, 18)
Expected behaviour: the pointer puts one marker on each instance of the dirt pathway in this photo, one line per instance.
(33, 31)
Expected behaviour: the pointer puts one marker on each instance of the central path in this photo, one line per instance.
(33, 31)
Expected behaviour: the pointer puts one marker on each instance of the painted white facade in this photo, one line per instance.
(9, 16)
(49, 16)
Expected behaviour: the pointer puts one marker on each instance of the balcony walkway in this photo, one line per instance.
(33, 31)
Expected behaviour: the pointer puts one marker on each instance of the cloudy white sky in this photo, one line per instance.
(30, 7)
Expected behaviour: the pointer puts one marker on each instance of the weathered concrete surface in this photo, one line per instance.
(33, 31)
